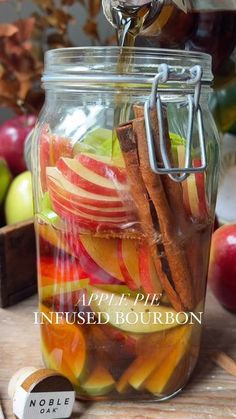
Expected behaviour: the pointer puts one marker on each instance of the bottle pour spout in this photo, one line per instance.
(131, 17)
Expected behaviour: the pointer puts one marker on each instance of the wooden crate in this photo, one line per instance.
(18, 276)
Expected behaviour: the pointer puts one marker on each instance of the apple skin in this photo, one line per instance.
(19, 200)
(86, 179)
(222, 268)
(5, 179)
(103, 167)
(13, 134)
(57, 183)
(96, 274)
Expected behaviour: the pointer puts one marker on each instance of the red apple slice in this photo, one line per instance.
(95, 272)
(148, 276)
(128, 260)
(90, 222)
(86, 179)
(103, 166)
(91, 210)
(58, 271)
(57, 182)
(194, 193)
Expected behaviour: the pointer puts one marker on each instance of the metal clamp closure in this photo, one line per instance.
(192, 77)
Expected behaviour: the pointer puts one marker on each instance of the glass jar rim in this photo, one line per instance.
(89, 63)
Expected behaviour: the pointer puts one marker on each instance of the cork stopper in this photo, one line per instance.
(41, 393)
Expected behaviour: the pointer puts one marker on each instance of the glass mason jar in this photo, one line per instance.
(125, 168)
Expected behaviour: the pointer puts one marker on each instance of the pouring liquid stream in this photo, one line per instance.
(129, 22)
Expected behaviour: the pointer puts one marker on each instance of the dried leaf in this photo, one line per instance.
(9, 87)
(25, 87)
(24, 63)
(25, 28)
(57, 40)
(7, 29)
(19, 41)
(91, 29)
(68, 2)
(94, 7)
(22, 45)
(59, 19)
(45, 4)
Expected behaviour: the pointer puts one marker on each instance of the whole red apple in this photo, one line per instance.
(222, 269)
(12, 138)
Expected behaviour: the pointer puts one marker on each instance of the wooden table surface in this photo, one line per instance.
(211, 393)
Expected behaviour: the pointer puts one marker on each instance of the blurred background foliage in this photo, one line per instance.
(44, 25)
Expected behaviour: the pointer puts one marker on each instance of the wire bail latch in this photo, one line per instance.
(192, 77)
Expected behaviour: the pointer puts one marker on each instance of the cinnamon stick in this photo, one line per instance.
(174, 250)
(173, 189)
(129, 149)
(225, 362)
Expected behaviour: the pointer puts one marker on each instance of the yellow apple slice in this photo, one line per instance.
(128, 256)
(62, 288)
(160, 377)
(133, 316)
(150, 358)
(99, 382)
(50, 234)
(104, 253)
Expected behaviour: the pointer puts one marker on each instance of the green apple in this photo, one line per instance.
(19, 200)
(132, 315)
(5, 179)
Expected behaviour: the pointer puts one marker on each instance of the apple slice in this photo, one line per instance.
(95, 272)
(66, 345)
(128, 259)
(157, 347)
(52, 359)
(58, 183)
(194, 192)
(91, 210)
(104, 166)
(51, 235)
(86, 179)
(160, 377)
(78, 217)
(99, 382)
(104, 253)
(134, 311)
(201, 190)
(56, 290)
(59, 270)
(147, 272)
